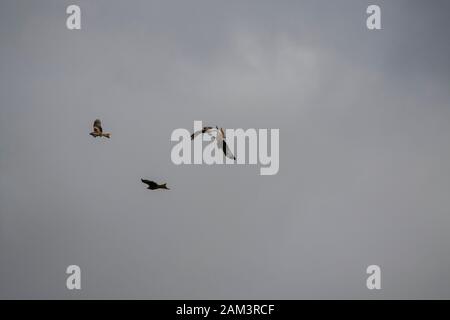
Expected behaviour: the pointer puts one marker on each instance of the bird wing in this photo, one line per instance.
(208, 130)
(226, 150)
(98, 126)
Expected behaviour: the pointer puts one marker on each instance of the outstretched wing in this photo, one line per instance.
(226, 150)
(98, 126)
(205, 129)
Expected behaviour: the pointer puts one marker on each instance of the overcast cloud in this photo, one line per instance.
(364, 149)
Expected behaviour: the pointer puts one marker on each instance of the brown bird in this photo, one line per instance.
(98, 131)
(153, 185)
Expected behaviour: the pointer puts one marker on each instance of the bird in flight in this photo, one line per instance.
(153, 185)
(219, 136)
(98, 131)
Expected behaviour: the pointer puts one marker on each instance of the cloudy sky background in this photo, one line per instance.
(364, 149)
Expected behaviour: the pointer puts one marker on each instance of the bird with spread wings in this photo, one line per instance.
(153, 185)
(98, 131)
(219, 136)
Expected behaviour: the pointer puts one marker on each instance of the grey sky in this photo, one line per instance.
(364, 155)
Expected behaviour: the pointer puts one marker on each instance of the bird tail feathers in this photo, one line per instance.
(164, 186)
(107, 135)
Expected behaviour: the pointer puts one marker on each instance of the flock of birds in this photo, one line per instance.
(216, 134)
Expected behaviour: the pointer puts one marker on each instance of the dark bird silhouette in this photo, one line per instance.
(98, 131)
(153, 185)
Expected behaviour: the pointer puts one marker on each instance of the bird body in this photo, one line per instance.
(98, 130)
(153, 185)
